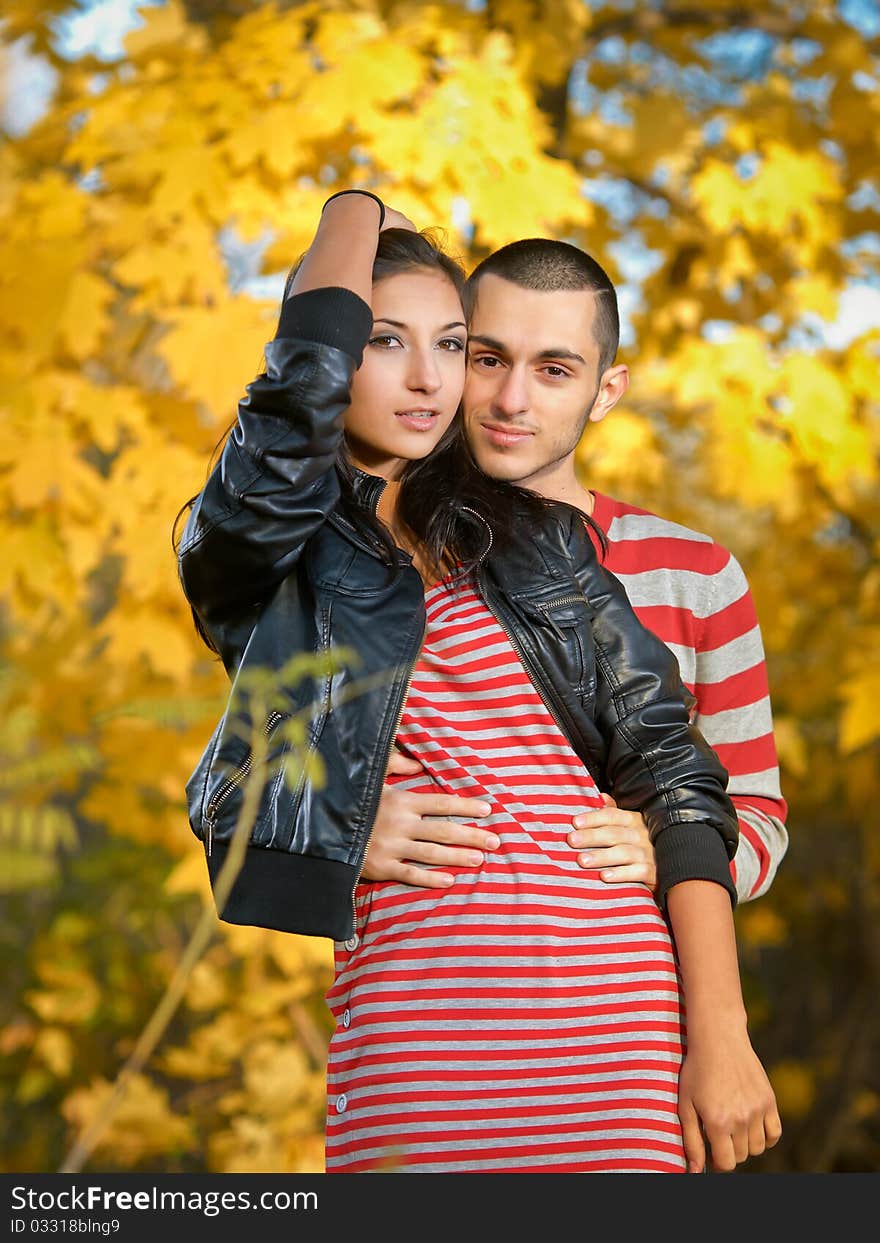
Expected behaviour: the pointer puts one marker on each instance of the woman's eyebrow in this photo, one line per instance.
(395, 323)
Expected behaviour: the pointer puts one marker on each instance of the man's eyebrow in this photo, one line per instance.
(562, 352)
(396, 323)
(568, 355)
(489, 342)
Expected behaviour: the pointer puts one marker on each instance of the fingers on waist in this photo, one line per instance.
(608, 817)
(452, 833)
(607, 838)
(449, 805)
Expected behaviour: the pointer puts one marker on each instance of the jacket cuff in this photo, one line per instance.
(331, 316)
(291, 893)
(691, 852)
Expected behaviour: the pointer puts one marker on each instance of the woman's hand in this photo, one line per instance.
(396, 220)
(345, 202)
(343, 249)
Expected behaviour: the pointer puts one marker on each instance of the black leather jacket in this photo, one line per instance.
(273, 567)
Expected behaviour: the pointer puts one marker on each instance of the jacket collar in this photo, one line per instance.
(367, 488)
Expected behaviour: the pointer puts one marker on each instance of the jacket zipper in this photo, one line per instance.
(402, 707)
(373, 503)
(399, 718)
(546, 605)
(552, 604)
(467, 509)
(322, 717)
(402, 704)
(231, 784)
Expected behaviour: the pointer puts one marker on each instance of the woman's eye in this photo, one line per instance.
(386, 341)
(454, 344)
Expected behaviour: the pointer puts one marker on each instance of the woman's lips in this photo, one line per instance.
(504, 437)
(418, 421)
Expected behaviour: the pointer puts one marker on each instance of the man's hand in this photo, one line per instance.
(402, 838)
(617, 842)
(725, 1101)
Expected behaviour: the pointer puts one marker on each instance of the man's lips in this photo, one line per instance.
(504, 436)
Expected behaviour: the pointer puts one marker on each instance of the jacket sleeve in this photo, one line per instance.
(275, 482)
(657, 761)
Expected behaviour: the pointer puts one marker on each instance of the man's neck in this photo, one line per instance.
(563, 488)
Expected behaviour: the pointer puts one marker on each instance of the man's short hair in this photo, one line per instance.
(549, 266)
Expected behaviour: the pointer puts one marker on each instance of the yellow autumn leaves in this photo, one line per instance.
(128, 332)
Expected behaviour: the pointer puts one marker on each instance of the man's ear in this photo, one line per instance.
(612, 386)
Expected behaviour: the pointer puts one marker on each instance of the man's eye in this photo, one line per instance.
(484, 360)
(555, 373)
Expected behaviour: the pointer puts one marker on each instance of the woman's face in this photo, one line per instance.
(407, 390)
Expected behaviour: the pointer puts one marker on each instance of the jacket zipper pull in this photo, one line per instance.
(548, 618)
(209, 832)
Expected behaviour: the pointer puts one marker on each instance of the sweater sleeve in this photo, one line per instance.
(733, 713)
(657, 760)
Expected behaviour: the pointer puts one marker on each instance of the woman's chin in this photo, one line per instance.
(406, 444)
(419, 440)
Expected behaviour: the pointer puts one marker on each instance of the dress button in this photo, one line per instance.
(346, 1017)
(352, 942)
(341, 1103)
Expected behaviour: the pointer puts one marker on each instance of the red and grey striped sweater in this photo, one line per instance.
(694, 595)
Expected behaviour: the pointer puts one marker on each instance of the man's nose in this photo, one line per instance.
(424, 374)
(511, 397)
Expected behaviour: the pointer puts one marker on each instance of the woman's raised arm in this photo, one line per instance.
(275, 482)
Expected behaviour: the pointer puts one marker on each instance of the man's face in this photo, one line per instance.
(533, 382)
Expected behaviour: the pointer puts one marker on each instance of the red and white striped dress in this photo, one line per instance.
(529, 1017)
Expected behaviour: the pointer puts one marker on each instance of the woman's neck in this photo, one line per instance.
(387, 507)
(387, 511)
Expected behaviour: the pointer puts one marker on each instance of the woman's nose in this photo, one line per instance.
(424, 374)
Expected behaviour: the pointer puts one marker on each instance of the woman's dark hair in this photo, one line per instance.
(453, 510)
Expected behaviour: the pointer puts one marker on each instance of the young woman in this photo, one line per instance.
(529, 1018)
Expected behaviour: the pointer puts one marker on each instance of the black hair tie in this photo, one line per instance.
(368, 194)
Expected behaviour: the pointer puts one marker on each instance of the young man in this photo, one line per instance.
(543, 337)
(530, 1019)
